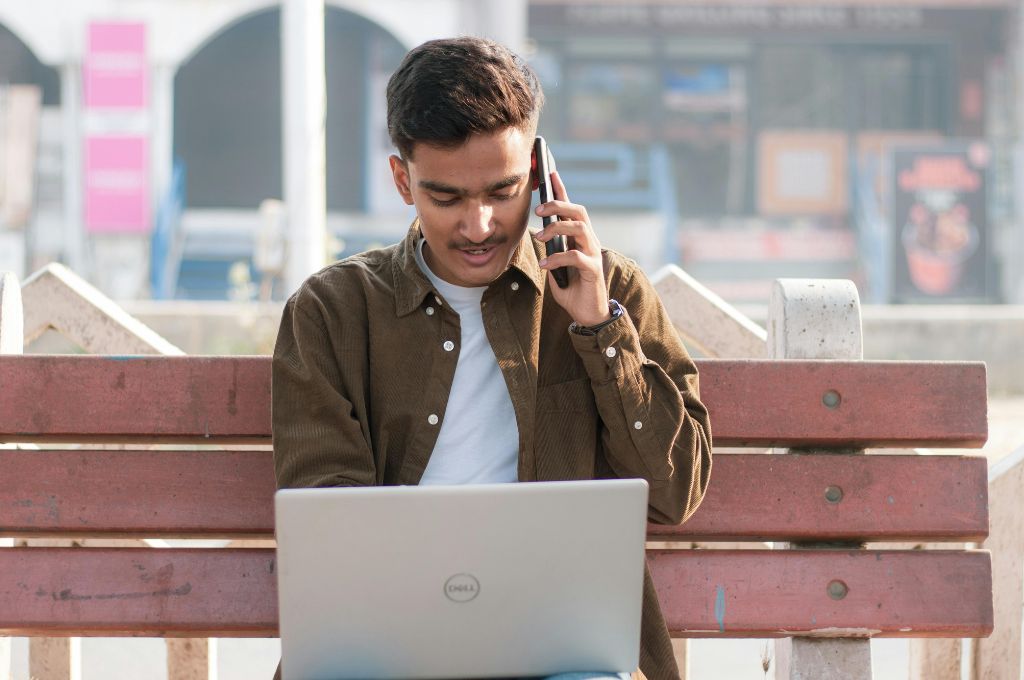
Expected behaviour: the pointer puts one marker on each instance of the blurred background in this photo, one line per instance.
(169, 152)
(144, 143)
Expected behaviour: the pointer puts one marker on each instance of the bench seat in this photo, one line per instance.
(196, 491)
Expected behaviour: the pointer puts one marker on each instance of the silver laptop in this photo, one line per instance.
(497, 580)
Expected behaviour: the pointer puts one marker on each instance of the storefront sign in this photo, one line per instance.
(678, 18)
(115, 66)
(753, 16)
(117, 184)
(940, 229)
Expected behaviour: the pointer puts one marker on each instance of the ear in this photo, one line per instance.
(534, 177)
(400, 173)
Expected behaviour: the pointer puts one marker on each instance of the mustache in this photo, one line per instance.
(488, 242)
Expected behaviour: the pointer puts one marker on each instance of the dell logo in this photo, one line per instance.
(461, 588)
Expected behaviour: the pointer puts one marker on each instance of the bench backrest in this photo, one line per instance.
(814, 406)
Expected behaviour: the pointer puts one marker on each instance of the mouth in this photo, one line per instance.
(478, 255)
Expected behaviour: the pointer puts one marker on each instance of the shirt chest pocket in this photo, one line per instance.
(567, 426)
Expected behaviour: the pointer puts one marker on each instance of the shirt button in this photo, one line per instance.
(638, 425)
(432, 419)
(449, 345)
(438, 301)
(430, 311)
(515, 285)
(610, 352)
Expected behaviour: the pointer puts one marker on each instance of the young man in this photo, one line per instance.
(453, 357)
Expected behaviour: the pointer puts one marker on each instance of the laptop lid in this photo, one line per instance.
(500, 580)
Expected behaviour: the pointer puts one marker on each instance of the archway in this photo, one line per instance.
(19, 66)
(227, 110)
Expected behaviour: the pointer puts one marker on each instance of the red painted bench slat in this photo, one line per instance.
(202, 400)
(751, 497)
(883, 498)
(221, 592)
(892, 593)
(159, 494)
(882, 403)
(232, 593)
(753, 403)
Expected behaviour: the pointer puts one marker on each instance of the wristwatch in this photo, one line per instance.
(616, 311)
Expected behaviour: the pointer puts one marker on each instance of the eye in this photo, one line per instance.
(505, 197)
(444, 203)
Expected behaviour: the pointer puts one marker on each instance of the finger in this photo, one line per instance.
(574, 259)
(559, 188)
(579, 235)
(564, 210)
(562, 228)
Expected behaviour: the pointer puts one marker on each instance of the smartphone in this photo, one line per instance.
(545, 165)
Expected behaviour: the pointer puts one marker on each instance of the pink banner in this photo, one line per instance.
(115, 66)
(117, 184)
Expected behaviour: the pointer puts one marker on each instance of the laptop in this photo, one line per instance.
(476, 581)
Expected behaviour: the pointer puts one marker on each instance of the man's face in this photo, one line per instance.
(473, 203)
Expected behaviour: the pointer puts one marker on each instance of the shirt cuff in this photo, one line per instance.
(611, 352)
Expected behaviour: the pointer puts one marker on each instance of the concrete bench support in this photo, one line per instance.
(55, 658)
(191, 659)
(55, 297)
(1000, 656)
(705, 321)
(12, 331)
(818, 319)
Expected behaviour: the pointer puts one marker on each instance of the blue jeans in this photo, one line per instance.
(589, 676)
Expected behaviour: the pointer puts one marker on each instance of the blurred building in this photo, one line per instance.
(741, 140)
(779, 121)
(160, 129)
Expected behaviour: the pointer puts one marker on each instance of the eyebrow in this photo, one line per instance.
(442, 188)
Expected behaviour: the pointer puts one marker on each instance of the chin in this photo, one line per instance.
(478, 280)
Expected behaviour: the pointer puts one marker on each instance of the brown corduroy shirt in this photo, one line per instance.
(360, 367)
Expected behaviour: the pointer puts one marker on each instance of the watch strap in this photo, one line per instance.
(616, 311)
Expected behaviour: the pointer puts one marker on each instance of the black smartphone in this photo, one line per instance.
(545, 165)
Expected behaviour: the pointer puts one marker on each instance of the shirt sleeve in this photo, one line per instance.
(320, 429)
(654, 425)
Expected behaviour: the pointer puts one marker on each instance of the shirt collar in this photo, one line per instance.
(412, 286)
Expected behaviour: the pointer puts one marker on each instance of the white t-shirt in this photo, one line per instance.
(479, 441)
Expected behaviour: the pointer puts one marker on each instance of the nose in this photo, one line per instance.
(477, 223)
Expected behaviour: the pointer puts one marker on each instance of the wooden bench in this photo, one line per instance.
(818, 498)
(231, 592)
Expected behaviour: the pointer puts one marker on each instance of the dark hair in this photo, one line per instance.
(446, 90)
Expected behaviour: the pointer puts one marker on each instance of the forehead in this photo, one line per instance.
(479, 161)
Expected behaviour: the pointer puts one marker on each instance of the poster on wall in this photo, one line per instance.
(802, 173)
(116, 168)
(114, 68)
(940, 230)
(117, 184)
